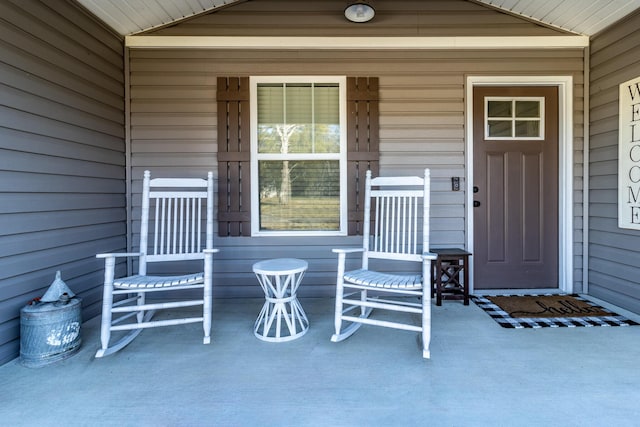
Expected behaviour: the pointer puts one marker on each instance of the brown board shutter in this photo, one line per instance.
(363, 143)
(234, 180)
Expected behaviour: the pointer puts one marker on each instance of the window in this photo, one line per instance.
(298, 155)
(514, 118)
(236, 123)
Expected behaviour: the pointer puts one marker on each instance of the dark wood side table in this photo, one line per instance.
(450, 275)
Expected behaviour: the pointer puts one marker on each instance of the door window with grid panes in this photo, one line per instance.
(514, 118)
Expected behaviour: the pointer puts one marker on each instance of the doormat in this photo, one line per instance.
(540, 311)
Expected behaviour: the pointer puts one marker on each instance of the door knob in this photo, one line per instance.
(476, 203)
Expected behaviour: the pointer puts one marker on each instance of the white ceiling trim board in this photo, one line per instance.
(355, 43)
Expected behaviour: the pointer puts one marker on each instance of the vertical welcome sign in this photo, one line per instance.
(629, 155)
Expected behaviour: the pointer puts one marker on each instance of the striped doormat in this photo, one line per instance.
(548, 310)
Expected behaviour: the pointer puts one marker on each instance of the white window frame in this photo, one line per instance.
(255, 156)
(513, 118)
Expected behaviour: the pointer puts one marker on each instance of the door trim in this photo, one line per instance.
(565, 164)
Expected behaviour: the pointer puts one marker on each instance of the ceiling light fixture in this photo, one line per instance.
(359, 12)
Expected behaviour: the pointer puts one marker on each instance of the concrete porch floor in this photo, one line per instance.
(479, 374)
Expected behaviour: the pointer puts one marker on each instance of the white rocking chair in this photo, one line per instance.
(176, 209)
(400, 234)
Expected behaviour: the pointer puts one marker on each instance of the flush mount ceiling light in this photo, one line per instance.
(359, 12)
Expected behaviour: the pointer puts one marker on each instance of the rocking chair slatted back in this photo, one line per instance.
(400, 224)
(175, 209)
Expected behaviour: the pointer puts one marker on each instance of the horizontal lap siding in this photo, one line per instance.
(422, 100)
(62, 183)
(614, 270)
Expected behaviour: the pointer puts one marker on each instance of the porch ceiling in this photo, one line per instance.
(577, 16)
(136, 16)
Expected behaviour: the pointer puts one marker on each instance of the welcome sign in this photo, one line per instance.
(629, 155)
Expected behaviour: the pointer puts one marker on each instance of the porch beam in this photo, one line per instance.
(355, 43)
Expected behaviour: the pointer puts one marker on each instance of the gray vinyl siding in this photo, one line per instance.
(62, 175)
(422, 113)
(614, 253)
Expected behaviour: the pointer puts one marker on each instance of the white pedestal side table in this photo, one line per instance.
(280, 279)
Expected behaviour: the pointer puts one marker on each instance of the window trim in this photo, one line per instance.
(514, 119)
(255, 156)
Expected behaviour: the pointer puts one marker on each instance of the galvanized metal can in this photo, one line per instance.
(50, 331)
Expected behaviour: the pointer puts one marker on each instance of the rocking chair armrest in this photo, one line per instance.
(346, 250)
(211, 251)
(429, 256)
(121, 254)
